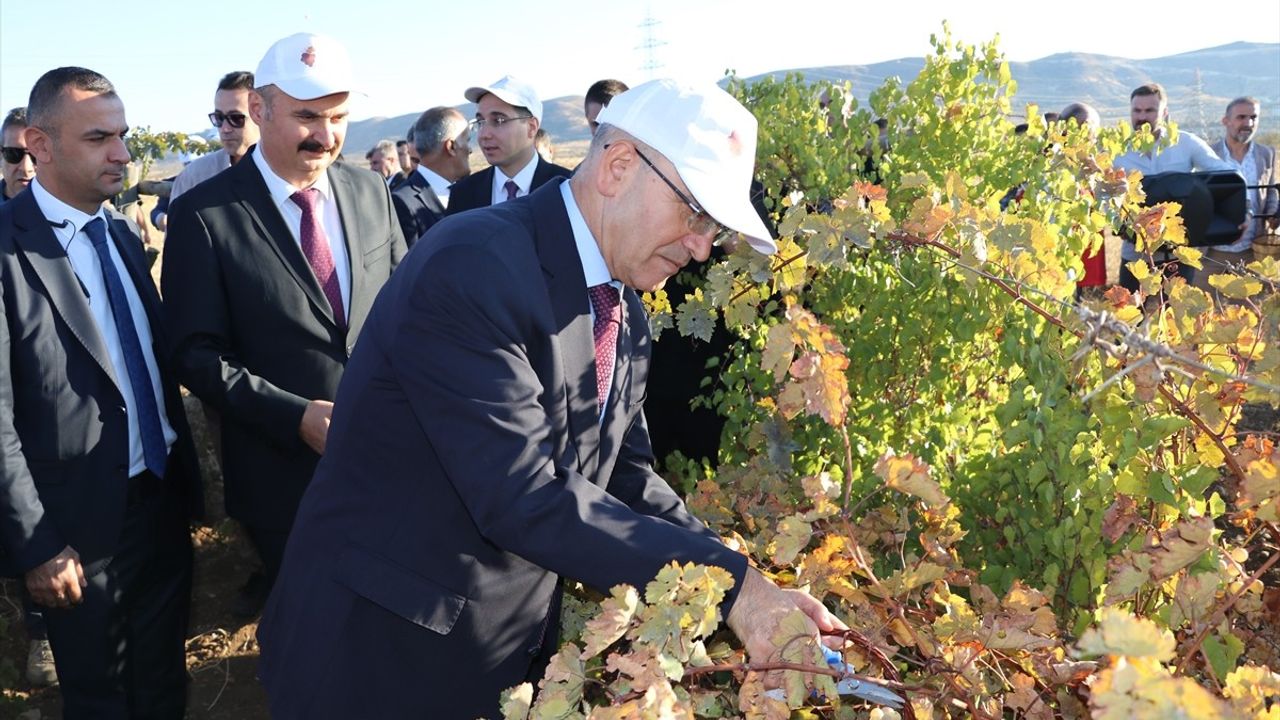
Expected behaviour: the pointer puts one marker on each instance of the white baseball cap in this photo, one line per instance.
(306, 66)
(512, 91)
(709, 137)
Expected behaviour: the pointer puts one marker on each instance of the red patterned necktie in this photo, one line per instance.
(315, 245)
(512, 188)
(605, 302)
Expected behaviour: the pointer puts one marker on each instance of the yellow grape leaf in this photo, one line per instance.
(756, 705)
(1126, 573)
(1260, 491)
(641, 665)
(823, 384)
(926, 218)
(794, 643)
(913, 179)
(793, 535)
(515, 702)
(566, 670)
(905, 473)
(779, 347)
(1250, 689)
(1235, 286)
(1208, 452)
(1142, 690)
(1026, 698)
(1120, 633)
(1188, 256)
(615, 617)
(1181, 546)
(908, 579)
(1268, 267)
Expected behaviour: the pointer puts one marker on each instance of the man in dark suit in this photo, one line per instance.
(442, 139)
(508, 115)
(98, 472)
(270, 269)
(488, 437)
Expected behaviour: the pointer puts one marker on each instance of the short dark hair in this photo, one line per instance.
(602, 91)
(236, 80)
(16, 117)
(401, 143)
(1151, 88)
(46, 94)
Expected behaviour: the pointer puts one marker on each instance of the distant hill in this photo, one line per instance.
(1103, 81)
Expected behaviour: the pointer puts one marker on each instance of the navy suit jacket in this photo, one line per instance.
(252, 332)
(417, 207)
(476, 189)
(467, 470)
(64, 435)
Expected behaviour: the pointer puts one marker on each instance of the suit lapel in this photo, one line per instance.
(49, 261)
(345, 196)
(567, 288)
(256, 198)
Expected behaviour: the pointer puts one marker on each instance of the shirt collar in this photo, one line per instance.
(434, 179)
(281, 190)
(67, 221)
(524, 178)
(593, 266)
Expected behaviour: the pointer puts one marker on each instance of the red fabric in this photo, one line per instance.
(1095, 269)
(606, 302)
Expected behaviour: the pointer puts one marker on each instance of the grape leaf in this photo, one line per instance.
(613, 620)
(1120, 633)
(905, 473)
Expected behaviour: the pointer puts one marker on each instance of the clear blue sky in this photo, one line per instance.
(165, 57)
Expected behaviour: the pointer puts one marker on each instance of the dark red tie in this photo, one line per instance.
(605, 303)
(512, 188)
(315, 245)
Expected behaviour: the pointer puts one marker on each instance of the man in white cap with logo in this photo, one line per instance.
(270, 270)
(488, 439)
(508, 115)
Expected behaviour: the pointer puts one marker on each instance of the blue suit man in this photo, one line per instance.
(488, 437)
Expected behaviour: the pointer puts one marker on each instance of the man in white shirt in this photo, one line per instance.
(1257, 163)
(1149, 107)
(508, 115)
(442, 140)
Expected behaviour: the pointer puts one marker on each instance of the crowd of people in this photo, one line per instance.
(421, 446)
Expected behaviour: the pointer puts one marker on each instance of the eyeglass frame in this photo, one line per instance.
(8, 150)
(699, 217)
(217, 117)
(498, 121)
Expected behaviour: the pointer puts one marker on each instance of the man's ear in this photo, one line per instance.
(39, 144)
(615, 169)
(533, 128)
(257, 108)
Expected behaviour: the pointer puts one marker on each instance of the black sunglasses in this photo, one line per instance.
(14, 155)
(236, 119)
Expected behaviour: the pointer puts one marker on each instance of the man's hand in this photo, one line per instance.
(759, 611)
(56, 583)
(314, 428)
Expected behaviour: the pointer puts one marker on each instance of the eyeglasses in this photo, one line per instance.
(497, 121)
(14, 155)
(236, 119)
(700, 222)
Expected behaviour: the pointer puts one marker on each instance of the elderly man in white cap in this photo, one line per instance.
(488, 440)
(270, 269)
(508, 115)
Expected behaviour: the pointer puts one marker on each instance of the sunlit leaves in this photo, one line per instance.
(615, 617)
(908, 474)
(1119, 633)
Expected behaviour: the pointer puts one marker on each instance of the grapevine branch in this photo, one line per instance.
(1200, 637)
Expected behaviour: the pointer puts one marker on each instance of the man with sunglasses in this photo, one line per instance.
(508, 115)
(19, 166)
(488, 440)
(237, 131)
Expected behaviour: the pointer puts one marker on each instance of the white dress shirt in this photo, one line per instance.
(438, 184)
(68, 227)
(281, 191)
(1248, 167)
(523, 180)
(593, 265)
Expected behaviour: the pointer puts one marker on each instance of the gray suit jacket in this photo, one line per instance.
(253, 334)
(64, 436)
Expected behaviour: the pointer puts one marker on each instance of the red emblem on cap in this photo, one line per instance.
(735, 143)
(309, 56)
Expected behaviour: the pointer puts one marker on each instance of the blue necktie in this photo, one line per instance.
(154, 451)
